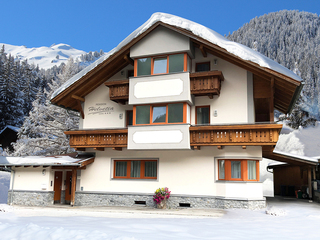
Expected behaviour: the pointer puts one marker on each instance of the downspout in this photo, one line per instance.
(11, 170)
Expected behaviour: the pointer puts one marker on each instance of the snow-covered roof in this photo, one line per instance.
(199, 30)
(62, 160)
(16, 129)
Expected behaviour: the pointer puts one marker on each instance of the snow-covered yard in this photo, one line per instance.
(291, 219)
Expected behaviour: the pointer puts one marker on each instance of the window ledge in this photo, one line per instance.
(226, 181)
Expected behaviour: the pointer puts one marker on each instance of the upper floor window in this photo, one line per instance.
(203, 67)
(135, 169)
(161, 64)
(238, 170)
(160, 114)
(203, 115)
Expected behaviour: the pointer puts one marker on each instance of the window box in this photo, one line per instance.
(135, 169)
(238, 170)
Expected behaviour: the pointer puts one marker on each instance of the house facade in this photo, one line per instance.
(176, 105)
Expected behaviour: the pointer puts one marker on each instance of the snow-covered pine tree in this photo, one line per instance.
(42, 133)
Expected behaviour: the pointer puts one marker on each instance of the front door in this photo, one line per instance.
(57, 186)
(68, 186)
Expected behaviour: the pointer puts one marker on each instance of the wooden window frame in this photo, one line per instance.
(185, 109)
(202, 63)
(185, 63)
(205, 106)
(142, 168)
(244, 170)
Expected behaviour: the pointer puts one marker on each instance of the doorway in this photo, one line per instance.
(57, 186)
(68, 187)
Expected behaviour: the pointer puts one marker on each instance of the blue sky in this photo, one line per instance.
(91, 25)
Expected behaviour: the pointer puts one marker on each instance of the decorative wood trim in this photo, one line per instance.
(203, 51)
(78, 98)
(128, 60)
(99, 148)
(117, 148)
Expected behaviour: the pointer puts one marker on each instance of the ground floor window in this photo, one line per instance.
(135, 169)
(238, 170)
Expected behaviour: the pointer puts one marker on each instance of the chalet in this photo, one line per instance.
(8, 135)
(173, 105)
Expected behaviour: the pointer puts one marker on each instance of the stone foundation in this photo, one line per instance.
(31, 198)
(175, 201)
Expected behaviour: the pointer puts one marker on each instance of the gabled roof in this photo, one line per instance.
(15, 129)
(291, 158)
(287, 83)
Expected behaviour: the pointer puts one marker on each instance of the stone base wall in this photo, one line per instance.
(175, 201)
(31, 198)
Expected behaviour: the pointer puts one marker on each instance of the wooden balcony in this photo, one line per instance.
(98, 139)
(118, 91)
(233, 135)
(206, 83)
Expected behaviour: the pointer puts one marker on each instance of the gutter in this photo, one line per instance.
(11, 170)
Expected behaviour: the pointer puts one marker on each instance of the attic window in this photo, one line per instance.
(203, 67)
(161, 65)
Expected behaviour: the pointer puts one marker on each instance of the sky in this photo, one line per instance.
(103, 24)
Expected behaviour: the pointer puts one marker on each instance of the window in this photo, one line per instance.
(203, 67)
(238, 170)
(160, 114)
(161, 65)
(203, 115)
(135, 169)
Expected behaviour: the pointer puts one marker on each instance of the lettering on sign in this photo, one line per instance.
(100, 109)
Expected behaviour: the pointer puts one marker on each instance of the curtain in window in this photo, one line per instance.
(150, 169)
(135, 169)
(221, 169)
(235, 169)
(252, 172)
(121, 169)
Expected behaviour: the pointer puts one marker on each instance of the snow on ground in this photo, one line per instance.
(292, 219)
(303, 141)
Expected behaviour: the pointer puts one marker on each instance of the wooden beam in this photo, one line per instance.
(78, 98)
(117, 148)
(203, 51)
(219, 147)
(272, 100)
(64, 167)
(309, 183)
(128, 60)
(244, 147)
(80, 149)
(196, 147)
(99, 148)
(73, 186)
(85, 163)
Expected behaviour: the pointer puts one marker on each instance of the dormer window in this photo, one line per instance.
(161, 64)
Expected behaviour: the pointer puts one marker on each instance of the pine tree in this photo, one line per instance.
(42, 133)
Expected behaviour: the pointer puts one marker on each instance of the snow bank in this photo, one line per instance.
(274, 211)
(197, 29)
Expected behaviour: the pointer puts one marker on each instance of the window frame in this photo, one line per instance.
(244, 170)
(199, 63)
(204, 106)
(128, 112)
(185, 63)
(142, 169)
(167, 115)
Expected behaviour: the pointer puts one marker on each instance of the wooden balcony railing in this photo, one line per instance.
(118, 91)
(111, 138)
(243, 135)
(206, 83)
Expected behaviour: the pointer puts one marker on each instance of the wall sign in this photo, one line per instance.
(100, 109)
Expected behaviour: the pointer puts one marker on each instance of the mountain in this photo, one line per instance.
(291, 38)
(45, 57)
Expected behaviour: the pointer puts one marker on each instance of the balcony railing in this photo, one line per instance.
(111, 138)
(243, 135)
(206, 83)
(118, 91)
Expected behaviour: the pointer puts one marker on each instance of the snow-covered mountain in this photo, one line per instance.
(45, 57)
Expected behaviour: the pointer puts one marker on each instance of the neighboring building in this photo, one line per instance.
(8, 135)
(174, 105)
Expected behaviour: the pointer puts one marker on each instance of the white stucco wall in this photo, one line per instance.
(157, 41)
(185, 172)
(232, 104)
(100, 112)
